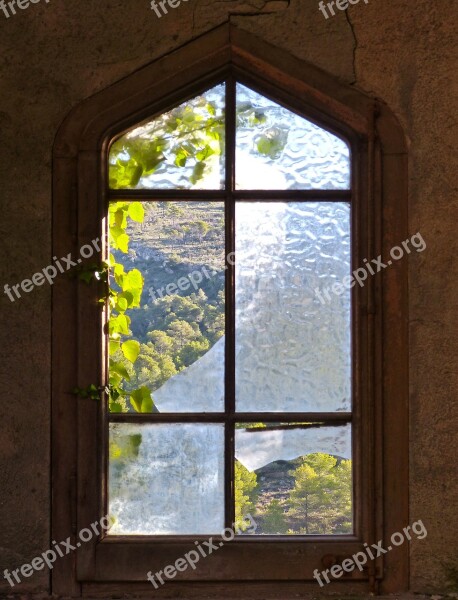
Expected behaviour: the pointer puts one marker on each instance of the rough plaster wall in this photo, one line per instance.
(54, 55)
(407, 55)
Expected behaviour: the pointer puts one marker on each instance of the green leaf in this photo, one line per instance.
(120, 218)
(197, 172)
(131, 350)
(141, 400)
(136, 212)
(128, 297)
(115, 407)
(136, 175)
(265, 146)
(115, 345)
(134, 280)
(86, 276)
(121, 304)
(120, 369)
(133, 284)
(118, 269)
(119, 324)
(123, 243)
(114, 380)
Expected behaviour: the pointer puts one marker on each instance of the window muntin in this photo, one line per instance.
(320, 392)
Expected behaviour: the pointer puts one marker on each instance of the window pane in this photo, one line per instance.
(277, 149)
(293, 350)
(294, 478)
(179, 250)
(180, 149)
(166, 479)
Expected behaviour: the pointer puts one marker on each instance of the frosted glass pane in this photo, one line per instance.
(277, 149)
(166, 479)
(293, 478)
(180, 149)
(293, 351)
(180, 251)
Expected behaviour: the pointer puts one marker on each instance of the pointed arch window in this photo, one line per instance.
(244, 366)
(252, 382)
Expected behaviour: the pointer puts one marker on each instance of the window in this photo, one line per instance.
(245, 403)
(243, 186)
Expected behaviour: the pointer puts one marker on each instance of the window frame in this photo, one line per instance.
(230, 197)
(378, 182)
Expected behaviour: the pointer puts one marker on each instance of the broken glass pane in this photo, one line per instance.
(179, 251)
(293, 479)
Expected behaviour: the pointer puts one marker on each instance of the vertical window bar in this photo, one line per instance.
(230, 302)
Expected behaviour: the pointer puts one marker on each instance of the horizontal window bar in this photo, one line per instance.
(282, 419)
(157, 195)
(244, 539)
(296, 195)
(199, 195)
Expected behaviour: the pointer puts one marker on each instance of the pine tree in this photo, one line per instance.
(245, 484)
(321, 497)
(274, 519)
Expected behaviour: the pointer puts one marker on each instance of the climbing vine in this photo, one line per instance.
(185, 141)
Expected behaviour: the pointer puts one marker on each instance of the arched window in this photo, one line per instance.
(239, 346)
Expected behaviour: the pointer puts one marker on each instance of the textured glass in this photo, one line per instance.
(277, 149)
(180, 149)
(179, 249)
(166, 479)
(294, 478)
(293, 345)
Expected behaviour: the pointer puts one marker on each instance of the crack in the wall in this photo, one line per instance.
(253, 9)
(355, 44)
(278, 5)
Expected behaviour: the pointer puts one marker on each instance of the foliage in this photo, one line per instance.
(149, 343)
(125, 289)
(274, 519)
(321, 498)
(245, 489)
(189, 135)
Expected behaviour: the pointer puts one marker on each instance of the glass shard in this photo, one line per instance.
(179, 324)
(294, 479)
